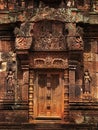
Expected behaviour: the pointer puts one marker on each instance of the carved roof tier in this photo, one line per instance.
(60, 14)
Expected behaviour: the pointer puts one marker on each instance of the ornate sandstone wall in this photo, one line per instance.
(49, 35)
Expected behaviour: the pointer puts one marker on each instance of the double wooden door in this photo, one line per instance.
(49, 94)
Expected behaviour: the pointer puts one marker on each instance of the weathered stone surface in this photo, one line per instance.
(14, 116)
(48, 64)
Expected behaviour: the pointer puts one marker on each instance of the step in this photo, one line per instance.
(48, 126)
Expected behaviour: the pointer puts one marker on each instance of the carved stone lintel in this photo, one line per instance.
(50, 62)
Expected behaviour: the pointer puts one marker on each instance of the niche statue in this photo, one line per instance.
(87, 81)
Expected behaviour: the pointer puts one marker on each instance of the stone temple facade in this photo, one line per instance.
(48, 64)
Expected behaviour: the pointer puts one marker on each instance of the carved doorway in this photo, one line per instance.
(49, 94)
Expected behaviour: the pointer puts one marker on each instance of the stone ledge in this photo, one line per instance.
(43, 126)
(84, 106)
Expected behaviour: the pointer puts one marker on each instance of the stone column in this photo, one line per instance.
(66, 95)
(31, 96)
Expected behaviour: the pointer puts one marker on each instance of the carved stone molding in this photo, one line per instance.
(49, 62)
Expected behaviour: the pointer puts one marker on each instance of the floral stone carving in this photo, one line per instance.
(23, 36)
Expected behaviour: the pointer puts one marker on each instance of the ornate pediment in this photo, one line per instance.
(48, 35)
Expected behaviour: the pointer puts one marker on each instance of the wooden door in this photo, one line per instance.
(49, 94)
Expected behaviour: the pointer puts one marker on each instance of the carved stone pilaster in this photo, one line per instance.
(66, 95)
(25, 86)
(75, 81)
(31, 96)
(72, 82)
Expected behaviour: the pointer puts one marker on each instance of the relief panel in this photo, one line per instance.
(48, 61)
(8, 70)
(48, 36)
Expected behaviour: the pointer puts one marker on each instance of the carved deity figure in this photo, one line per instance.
(87, 81)
(10, 81)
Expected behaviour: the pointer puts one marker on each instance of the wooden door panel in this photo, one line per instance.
(55, 84)
(42, 83)
(49, 94)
